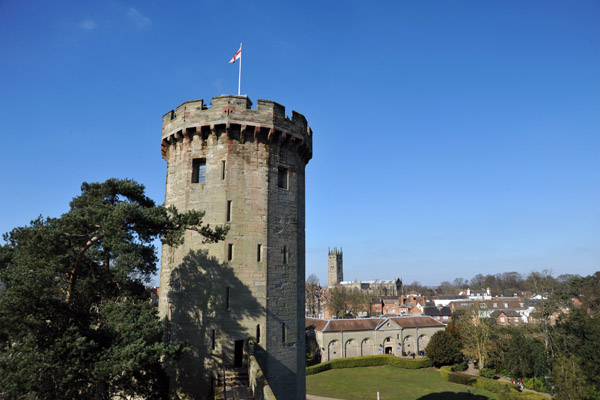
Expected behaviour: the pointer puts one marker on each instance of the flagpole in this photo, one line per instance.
(240, 78)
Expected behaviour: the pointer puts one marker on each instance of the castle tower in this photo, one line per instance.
(336, 267)
(244, 168)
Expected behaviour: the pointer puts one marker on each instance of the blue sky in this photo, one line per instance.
(450, 138)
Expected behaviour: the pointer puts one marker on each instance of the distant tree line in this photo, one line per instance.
(501, 284)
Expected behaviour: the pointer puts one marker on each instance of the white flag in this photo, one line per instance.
(236, 56)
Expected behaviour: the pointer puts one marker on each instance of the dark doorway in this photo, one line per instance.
(388, 350)
(239, 354)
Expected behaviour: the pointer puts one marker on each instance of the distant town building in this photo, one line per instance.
(399, 336)
(375, 287)
(477, 294)
(335, 267)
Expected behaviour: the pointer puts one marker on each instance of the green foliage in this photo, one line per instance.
(463, 366)
(487, 373)
(75, 318)
(525, 356)
(506, 390)
(462, 379)
(587, 290)
(476, 335)
(313, 352)
(579, 334)
(537, 384)
(443, 349)
(568, 378)
(370, 361)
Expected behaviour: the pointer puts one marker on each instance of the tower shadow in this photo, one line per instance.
(452, 396)
(209, 309)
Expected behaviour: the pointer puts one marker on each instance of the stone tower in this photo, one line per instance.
(336, 267)
(244, 168)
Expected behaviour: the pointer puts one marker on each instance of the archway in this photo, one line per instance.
(367, 347)
(408, 345)
(423, 341)
(388, 345)
(334, 350)
(352, 348)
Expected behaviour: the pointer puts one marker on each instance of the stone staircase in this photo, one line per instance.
(236, 385)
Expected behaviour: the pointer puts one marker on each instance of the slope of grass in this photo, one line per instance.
(391, 383)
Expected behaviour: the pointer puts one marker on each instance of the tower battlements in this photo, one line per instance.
(335, 267)
(233, 115)
(335, 251)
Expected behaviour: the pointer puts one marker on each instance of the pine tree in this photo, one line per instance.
(76, 320)
(443, 349)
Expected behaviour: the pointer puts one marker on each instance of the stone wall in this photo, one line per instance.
(251, 284)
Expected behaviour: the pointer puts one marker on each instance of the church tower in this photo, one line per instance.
(245, 168)
(336, 267)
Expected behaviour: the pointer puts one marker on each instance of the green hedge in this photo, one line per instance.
(459, 367)
(370, 361)
(537, 384)
(506, 389)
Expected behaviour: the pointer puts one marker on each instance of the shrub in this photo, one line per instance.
(370, 361)
(443, 349)
(444, 372)
(487, 373)
(537, 384)
(492, 385)
(506, 390)
(459, 367)
(462, 379)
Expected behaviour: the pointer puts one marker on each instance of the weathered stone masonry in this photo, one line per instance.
(244, 168)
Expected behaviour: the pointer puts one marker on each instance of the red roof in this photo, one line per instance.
(369, 324)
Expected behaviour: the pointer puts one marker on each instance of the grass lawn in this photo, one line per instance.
(391, 383)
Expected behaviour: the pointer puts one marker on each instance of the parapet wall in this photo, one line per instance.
(258, 382)
(234, 113)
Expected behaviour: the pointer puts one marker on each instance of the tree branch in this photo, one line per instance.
(73, 274)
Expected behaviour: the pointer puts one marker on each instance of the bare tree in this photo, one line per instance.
(312, 291)
(337, 301)
(475, 333)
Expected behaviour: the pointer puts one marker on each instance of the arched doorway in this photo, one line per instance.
(408, 345)
(423, 341)
(352, 348)
(388, 346)
(367, 347)
(334, 350)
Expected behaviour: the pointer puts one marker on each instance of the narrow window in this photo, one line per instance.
(283, 332)
(228, 210)
(285, 255)
(223, 170)
(230, 252)
(213, 340)
(258, 252)
(282, 178)
(227, 293)
(198, 170)
(258, 333)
